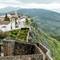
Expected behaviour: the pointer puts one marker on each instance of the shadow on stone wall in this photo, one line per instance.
(24, 49)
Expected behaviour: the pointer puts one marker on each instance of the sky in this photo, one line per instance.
(43, 4)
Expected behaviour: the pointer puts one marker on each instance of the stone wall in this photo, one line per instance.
(21, 51)
(8, 46)
(45, 50)
(25, 49)
(23, 57)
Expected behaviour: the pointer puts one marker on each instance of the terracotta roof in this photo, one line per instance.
(4, 22)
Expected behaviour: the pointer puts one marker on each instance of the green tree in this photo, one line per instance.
(27, 22)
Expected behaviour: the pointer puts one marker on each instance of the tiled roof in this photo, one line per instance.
(4, 22)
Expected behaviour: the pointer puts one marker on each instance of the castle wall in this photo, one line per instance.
(23, 57)
(8, 46)
(25, 49)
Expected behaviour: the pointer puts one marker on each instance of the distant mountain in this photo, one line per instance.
(7, 9)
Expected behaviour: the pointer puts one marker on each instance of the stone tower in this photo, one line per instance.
(8, 46)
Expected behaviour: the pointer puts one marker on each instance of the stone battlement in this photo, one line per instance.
(23, 51)
(23, 57)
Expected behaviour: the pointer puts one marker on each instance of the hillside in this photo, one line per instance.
(38, 35)
(48, 21)
(45, 29)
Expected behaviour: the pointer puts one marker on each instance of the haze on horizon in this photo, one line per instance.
(43, 4)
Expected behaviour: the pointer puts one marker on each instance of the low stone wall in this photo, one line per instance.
(25, 49)
(45, 50)
(23, 57)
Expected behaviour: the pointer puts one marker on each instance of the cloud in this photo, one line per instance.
(6, 3)
(43, 6)
(39, 1)
(21, 4)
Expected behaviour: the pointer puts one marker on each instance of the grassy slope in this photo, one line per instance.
(49, 42)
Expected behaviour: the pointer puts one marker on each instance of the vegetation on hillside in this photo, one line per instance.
(38, 35)
(49, 21)
(18, 34)
(28, 21)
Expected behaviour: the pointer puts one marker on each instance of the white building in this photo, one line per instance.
(5, 26)
(13, 24)
(21, 22)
